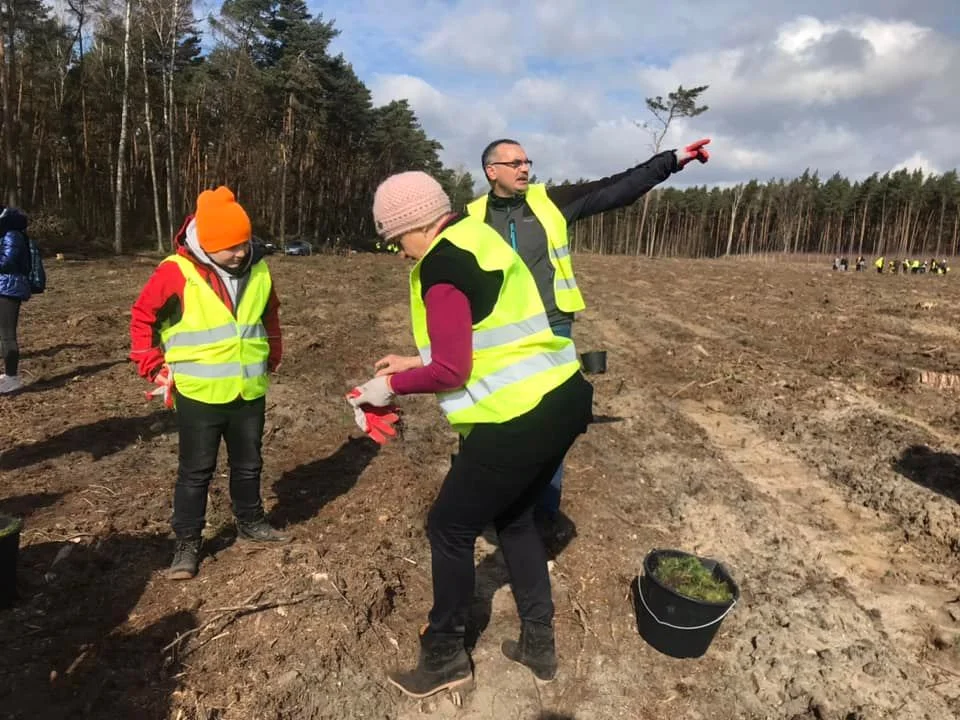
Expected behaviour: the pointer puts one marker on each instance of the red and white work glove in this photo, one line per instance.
(693, 151)
(165, 386)
(372, 409)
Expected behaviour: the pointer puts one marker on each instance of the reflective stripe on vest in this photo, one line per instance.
(476, 391)
(212, 371)
(188, 338)
(516, 357)
(504, 335)
(216, 357)
(565, 290)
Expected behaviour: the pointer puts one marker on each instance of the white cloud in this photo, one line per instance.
(851, 96)
(462, 124)
(484, 40)
(558, 105)
(563, 30)
(424, 98)
(814, 63)
(918, 161)
(855, 87)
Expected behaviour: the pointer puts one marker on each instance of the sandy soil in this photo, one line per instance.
(798, 424)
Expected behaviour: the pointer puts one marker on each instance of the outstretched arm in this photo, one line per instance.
(581, 201)
(577, 202)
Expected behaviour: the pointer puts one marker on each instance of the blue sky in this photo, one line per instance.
(854, 86)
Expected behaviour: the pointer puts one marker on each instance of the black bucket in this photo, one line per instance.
(595, 361)
(9, 549)
(671, 623)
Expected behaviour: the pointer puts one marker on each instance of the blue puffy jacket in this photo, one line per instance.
(14, 255)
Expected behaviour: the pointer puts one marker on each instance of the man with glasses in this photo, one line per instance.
(534, 220)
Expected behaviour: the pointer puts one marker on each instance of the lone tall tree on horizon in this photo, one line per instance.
(682, 102)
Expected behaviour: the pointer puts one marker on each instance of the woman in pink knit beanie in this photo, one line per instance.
(512, 390)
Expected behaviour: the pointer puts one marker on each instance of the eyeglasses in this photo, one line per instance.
(515, 164)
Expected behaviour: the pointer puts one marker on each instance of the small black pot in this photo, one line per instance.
(594, 362)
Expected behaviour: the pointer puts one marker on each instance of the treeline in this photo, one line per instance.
(901, 214)
(122, 107)
(116, 113)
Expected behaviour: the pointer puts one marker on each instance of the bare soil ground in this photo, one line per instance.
(798, 424)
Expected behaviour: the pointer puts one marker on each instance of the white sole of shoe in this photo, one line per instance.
(452, 685)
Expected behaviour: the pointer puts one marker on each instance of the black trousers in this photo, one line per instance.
(473, 495)
(240, 424)
(9, 317)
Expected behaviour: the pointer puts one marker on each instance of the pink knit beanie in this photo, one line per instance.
(407, 201)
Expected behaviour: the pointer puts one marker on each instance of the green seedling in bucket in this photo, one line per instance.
(688, 577)
(9, 526)
(680, 601)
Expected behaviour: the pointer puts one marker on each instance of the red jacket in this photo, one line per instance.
(161, 300)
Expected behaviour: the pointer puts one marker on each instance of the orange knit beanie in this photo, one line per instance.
(221, 222)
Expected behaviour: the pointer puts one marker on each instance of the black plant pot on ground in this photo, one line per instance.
(9, 550)
(675, 624)
(594, 361)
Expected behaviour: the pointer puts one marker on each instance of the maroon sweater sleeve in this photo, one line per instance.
(450, 327)
(271, 322)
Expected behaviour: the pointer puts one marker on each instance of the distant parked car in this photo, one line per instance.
(268, 248)
(299, 247)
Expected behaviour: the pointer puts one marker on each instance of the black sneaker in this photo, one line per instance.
(186, 560)
(260, 531)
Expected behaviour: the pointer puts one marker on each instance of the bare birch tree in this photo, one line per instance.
(147, 121)
(122, 144)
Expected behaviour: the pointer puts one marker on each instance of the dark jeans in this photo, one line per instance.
(240, 424)
(474, 495)
(9, 317)
(549, 499)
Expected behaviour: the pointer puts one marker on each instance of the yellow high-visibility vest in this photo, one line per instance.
(216, 357)
(569, 298)
(516, 357)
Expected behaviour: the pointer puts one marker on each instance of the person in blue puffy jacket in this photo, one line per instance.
(14, 289)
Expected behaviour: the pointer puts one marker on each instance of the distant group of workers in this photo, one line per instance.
(882, 265)
(937, 267)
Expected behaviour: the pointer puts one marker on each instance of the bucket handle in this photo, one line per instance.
(678, 627)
